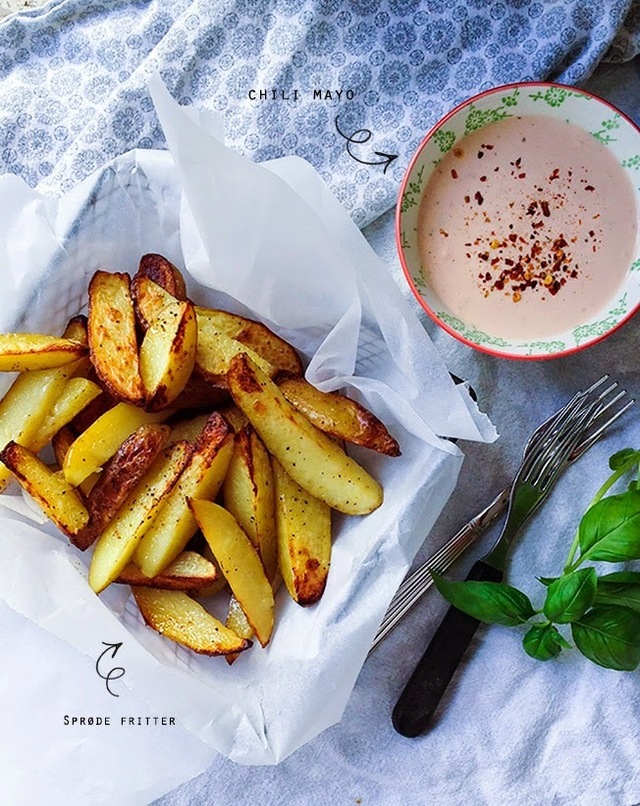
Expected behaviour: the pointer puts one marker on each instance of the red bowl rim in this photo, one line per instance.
(482, 348)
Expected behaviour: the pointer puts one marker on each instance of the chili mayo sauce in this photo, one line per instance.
(527, 228)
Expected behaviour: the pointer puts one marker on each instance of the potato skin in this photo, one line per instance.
(120, 475)
(113, 343)
(162, 271)
(340, 416)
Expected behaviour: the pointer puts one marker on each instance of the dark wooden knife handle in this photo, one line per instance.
(432, 675)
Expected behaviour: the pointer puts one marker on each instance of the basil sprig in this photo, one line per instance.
(601, 611)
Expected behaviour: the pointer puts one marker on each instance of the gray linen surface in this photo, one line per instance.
(73, 95)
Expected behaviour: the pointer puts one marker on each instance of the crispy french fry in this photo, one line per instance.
(177, 616)
(318, 464)
(159, 269)
(304, 539)
(237, 621)
(120, 476)
(339, 416)
(174, 525)
(240, 565)
(102, 439)
(248, 494)
(76, 394)
(168, 354)
(26, 404)
(219, 334)
(112, 336)
(27, 352)
(117, 544)
(255, 336)
(56, 497)
(190, 572)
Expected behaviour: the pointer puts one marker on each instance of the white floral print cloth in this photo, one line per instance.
(73, 90)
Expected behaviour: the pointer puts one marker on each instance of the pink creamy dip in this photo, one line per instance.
(527, 228)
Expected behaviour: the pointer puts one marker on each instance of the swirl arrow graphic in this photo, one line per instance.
(112, 674)
(363, 136)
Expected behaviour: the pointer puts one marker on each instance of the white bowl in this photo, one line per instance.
(596, 116)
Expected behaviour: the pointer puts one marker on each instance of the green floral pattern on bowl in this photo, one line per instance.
(603, 122)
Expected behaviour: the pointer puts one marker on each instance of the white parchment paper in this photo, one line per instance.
(271, 241)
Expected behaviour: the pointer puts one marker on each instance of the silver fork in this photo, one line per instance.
(539, 470)
(614, 402)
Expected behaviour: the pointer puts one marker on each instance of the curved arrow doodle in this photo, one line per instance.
(113, 674)
(360, 137)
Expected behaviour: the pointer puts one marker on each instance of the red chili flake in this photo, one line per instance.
(467, 199)
(537, 224)
(488, 146)
(522, 176)
(483, 255)
(483, 178)
(591, 233)
(590, 188)
(555, 174)
(545, 208)
(478, 197)
(454, 173)
(513, 237)
(499, 285)
(480, 154)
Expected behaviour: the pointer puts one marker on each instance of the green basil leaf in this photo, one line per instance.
(490, 602)
(610, 637)
(634, 485)
(610, 529)
(621, 589)
(620, 576)
(570, 596)
(626, 458)
(543, 642)
(546, 581)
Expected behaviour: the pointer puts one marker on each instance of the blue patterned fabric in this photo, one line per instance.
(73, 91)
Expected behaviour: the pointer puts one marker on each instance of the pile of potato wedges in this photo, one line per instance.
(184, 449)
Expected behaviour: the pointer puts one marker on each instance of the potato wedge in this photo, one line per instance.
(339, 416)
(202, 477)
(117, 544)
(113, 342)
(25, 406)
(120, 476)
(215, 351)
(102, 439)
(57, 498)
(190, 572)
(168, 354)
(248, 494)
(177, 616)
(313, 459)
(240, 565)
(164, 273)
(258, 339)
(75, 396)
(254, 335)
(304, 539)
(28, 352)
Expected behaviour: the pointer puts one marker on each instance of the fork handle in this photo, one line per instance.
(432, 675)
